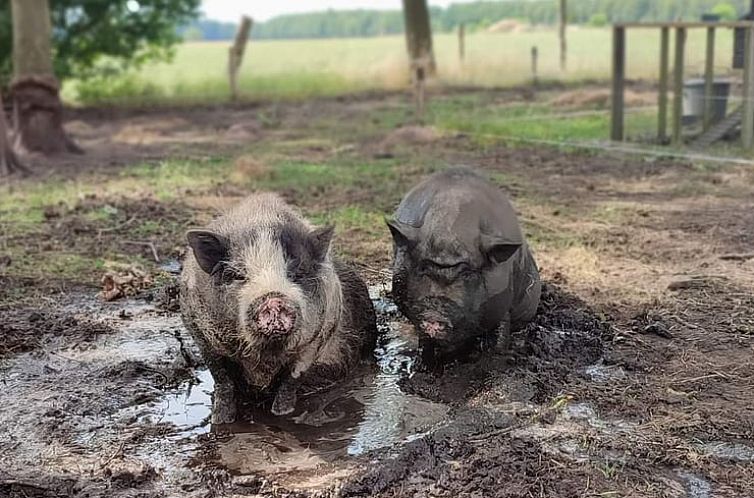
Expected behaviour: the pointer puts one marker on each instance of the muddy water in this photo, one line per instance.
(367, 412)
(129, 402)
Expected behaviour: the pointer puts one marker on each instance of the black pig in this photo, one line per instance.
(462, 269)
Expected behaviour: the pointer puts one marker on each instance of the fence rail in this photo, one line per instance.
(676, 80)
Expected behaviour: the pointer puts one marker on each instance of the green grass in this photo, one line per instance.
(299, 69)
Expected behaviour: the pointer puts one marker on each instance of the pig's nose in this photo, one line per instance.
(433, 328)
(275, 316)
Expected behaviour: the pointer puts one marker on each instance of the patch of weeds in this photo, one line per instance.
(535, 121)
(55, 265)
(169, 179)
(25, 203)
(354, 218)
(308, 178)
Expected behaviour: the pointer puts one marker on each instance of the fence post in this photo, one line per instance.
(534, 64)
(680, 51)
(562, 34)
(662, 102)
(235, 55)
(747, 125)
(709, 79)
(462, 42)
(619, 76)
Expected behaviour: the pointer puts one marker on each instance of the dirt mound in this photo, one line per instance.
(247, 168)
(600, 98)
(247, 130)
(507, 26)
(410, 135)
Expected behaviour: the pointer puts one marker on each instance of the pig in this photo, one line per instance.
(462, 271)
(269, 306)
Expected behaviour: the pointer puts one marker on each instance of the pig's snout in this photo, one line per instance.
(434, 328)
(275, 316)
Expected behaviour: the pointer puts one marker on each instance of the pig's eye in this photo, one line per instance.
(225, 274)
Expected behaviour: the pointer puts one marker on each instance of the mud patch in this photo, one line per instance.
(562, 341)
(25, 329)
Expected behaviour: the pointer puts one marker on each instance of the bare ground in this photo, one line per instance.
(635, 380)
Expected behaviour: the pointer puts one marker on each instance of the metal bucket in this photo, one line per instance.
(693, 99)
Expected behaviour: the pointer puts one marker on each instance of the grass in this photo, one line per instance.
(300, 69)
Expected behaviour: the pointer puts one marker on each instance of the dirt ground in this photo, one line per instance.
(636, 379)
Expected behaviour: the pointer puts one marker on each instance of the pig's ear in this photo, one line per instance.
(403, 235)
(209, 249)
(321, 238)
(497, 250)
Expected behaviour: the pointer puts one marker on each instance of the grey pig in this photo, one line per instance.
(462, 270)
(267, 305)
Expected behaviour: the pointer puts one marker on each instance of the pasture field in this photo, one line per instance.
(634, 380)
(299, 69)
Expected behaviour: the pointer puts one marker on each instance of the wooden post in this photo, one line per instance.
(462, 42)
(420, 69)
(619, 76)
(709, 79)
(235, 56)
(534, 60)
(680, 50)
(419, 33)
(562, 35)
(662, 101)
(747, 126)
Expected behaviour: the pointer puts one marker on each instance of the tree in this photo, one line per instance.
(598, 20)
(86, 33)
(37, 110)
(9, 161)
(726, 11)
(419, 33)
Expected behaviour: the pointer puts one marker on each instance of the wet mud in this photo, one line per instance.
(112, 400)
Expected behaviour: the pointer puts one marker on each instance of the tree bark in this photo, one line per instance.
(9, 161)
(419, 34)
(235, 57)
(37, 109)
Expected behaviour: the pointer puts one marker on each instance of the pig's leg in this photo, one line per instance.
(503, 336)
(224, 400)
(426, 360)
(285, 398)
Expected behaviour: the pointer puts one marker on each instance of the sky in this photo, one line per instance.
(261, 10)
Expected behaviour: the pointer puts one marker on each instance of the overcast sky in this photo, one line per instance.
(231, 10)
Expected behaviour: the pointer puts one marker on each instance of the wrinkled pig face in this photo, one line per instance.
(445, 298)
(270, 277)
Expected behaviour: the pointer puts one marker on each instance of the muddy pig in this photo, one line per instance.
(268, 305)
(462, 270)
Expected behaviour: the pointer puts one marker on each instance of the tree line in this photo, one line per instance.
(476, 15)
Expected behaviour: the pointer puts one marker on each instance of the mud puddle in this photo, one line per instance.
(129, 410)
(367, 412)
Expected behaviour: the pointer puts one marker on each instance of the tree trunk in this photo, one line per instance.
(9, 161)
(37, 109)
(235, 57)
(419, 34)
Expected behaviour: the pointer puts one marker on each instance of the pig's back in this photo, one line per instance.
(463, 202)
